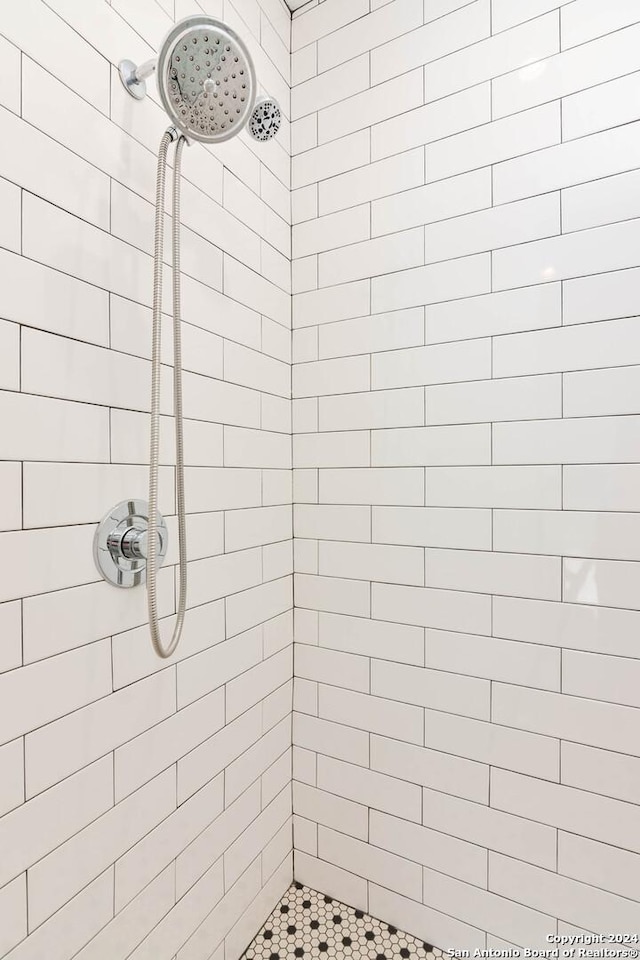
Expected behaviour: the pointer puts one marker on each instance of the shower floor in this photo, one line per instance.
(308, 924)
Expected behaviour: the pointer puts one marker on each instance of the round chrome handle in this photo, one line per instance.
(121, 544)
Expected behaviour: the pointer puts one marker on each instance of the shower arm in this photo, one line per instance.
(134, 77)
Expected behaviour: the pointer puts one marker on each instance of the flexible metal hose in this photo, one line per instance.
(154, 446)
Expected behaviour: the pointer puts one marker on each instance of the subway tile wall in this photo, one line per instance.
(466, 291)
(145, 808)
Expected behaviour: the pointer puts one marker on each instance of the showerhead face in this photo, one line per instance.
(266, 119)
(206, 79)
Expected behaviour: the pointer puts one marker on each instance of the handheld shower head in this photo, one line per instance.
(206, 79)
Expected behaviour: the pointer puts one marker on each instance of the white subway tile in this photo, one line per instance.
(36, 296)
(42, 692)
(371, 106)
(565, 533)
(602, 297)
(35, 828)
(58, 749)
(432, 283)
(587, 20)
(525, 398)
(427, 923)
(12, 507)
(600, 771)
(491, 314)
(62, 874)
(588, 440)
(372, 561)
(376, 714)
(461, 28)
(370, 788)
(331, 86)
(573, 347)
(144, 757)
(328, 522)
(12, 770)
(331, 159)
(446, 854)
(600, 678)
(441, 771)
(374, 486)
(530, 665)
(328, 666)
(574, 162)
(601, 487)
(134, 922)
(433, 121)
(196, 768)
(432, 445)
(256, 683)
(493, 56)
(574, 810)
(209, 670)
(335, 303)
(74, 925)
(605, 201)
(342, 449)
(431, 203)
(432, 527)
(304, 64)
(576, 254)
(601, 107)
(13, 914)
(598, 629)
(492, 142)
(492, 229)
(506, 15)
(442, 609)
(518, 487)
(439, 363)
(481, 824)
(377, 29)
(11, 629)
(372, 638)
(384, 178)
(330, 810)
(372, 258)
(601, 392)
(430, 688)
(590, 722)
(331, 231)
(507, 919)
(567, 72)
(598, 864)
(371, 862)
(320, 21)
(320, 875)
(500, 573)
(496, 746)
(544, 890)
(319, 735)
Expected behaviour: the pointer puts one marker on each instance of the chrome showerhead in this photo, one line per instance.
(265, 120)
(205, 76)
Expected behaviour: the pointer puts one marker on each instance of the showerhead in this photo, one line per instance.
(207, 82)
(265, 120)
(206, 79)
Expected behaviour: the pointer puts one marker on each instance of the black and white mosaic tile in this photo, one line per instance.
(307, 924)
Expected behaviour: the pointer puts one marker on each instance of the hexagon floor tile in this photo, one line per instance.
(307, 924)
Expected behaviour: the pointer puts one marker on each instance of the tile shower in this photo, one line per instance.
(412, 376)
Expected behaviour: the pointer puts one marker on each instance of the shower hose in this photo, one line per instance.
(154, 449)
